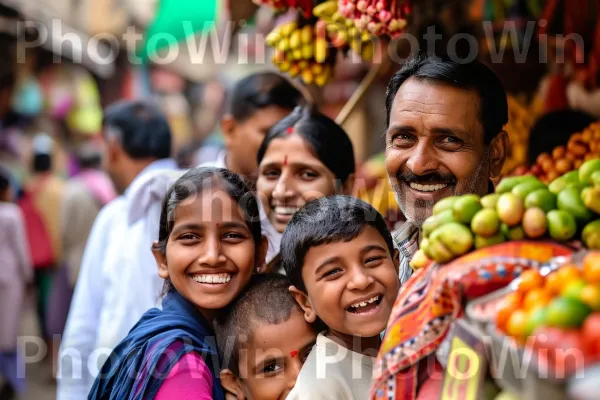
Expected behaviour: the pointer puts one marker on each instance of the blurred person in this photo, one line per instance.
(41, 204)
(257, 102)
(117, 279)
(15, 274)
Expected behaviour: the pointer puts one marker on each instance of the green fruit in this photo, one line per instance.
(485, 223)
(490, 200)
(591, 198)
(542, 198)
(570, 200)
(562, 182)
(566, 313)
(595, 178)
(534, 222)
(510, 209)
(512, 233)
(523, 189)
(435, 221)
(572, 176)
(439, 252)
(481, 241)
(425, 246)
(537, 318)
(507, 184)
(444, 204)
(587, 169)
(591, 235)
(454, 236)
(466, 207)
(561, 225)
(573, 289)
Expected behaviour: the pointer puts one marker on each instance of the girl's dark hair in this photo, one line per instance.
(196, 181)
(329, 141)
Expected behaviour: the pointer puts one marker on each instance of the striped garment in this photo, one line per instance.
(406, 239)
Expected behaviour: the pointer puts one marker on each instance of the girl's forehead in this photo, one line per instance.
(211, 205)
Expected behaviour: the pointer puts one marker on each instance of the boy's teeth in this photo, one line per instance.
(427, 188)
(286, 210)
(365, 303)
(212, 278)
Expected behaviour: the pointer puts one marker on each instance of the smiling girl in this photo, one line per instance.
(209, 246)
(304, 157)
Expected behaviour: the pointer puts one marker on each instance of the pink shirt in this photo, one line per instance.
(189, 378)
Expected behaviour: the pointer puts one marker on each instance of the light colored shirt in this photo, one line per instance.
(117, 283)
(406, 240)
(332, 372)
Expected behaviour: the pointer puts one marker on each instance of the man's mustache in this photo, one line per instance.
(409, 177)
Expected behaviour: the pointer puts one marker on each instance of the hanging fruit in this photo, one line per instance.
(305, 6)
(378, 17)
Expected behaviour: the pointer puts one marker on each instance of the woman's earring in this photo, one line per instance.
(257, 269)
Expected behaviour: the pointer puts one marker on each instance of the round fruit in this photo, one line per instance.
(542, 198)
(536, 318)
(559, 152)
(568, 273)
(553, 284)
(512, 233)
(569, 199)
(591, 267)
(490, 200)
(566, 313)
(561, 225)
(444, 204)
(505, 308)
(485, 223)
(587, 169)
(536, 298)
(572, 290)
(523, 189)
(465, 208)
(534, 222)
(510, 209)
(529, 280)
(481, 242)
(590, 296)
(517, 323)
(591, 235)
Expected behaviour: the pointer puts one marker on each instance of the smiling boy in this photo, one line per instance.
(340, 259)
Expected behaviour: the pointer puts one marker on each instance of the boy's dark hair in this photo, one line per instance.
(140, 127)
(328, 140)
(266, 300)
(42, 163)
(4, 179)
(261, 90)
(323, 221)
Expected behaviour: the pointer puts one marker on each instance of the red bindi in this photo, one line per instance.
(289, 130)
(284, 161)
(294, 353)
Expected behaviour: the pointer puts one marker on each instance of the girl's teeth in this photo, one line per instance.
(212, 278)
(286, 210)
(365, 303)
(427, 188)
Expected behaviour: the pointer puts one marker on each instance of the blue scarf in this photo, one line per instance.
(121, 375)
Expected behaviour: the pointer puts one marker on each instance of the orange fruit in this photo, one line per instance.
(536, 298)
(530, 279)
(517, 323)
(591, 267)
(505, 308)
(568, 273)
(590, 296)
(553, 284)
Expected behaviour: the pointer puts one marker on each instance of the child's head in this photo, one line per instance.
(264, 340)
(340, 257)
(304, 157)
(255, 104)
(209, 239)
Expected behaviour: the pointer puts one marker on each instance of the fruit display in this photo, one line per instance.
(281, 5)
(555, 313)
(378, 17)
(520, 122)
(522, 207)
(581, 147)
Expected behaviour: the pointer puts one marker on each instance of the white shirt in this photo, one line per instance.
(118, 280)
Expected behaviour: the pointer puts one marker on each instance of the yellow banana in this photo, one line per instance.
(308, 51)
(337, 17)
(295, 42)
(283, 45)
(303, 64)
(294, 70)
(326, 9)
(285, 66)
(287, 29)
(307, 34)
(317, 69)
(419, 260)
(367, 51)
(297, 54)
(278, 57)
(307, 76)
(272, 38)
(321, 50)
(324, 76)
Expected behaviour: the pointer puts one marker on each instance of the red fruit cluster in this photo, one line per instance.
(379, 17)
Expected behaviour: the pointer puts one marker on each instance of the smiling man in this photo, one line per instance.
(444, 137)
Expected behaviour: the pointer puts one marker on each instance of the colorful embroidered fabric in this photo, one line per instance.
(433, 298)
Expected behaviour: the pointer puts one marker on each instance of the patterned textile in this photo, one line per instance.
(407, 241)
(433, 298)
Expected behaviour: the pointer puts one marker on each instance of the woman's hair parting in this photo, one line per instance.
(327, 139)
(194, 183)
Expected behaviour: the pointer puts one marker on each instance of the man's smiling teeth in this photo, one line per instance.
(427, 188)
(212, 278)
(286, 210)
(365, 303)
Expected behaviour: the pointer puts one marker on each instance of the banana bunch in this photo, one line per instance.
(303, 51)
(343, 32)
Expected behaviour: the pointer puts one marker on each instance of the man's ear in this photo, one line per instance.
(114, 149)
(396, 260)
(261, 255)
(228, 128)
(348, 186)
(302, 299)
(232, 385)
(161, 261)
(498, 153)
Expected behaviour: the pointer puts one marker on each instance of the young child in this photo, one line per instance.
(340, 259)
(264, 340)
(209, 246)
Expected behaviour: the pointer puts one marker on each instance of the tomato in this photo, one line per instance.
(516, 325)
(530, 279)
(591, 267)
(536, 298)
(590, 332)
